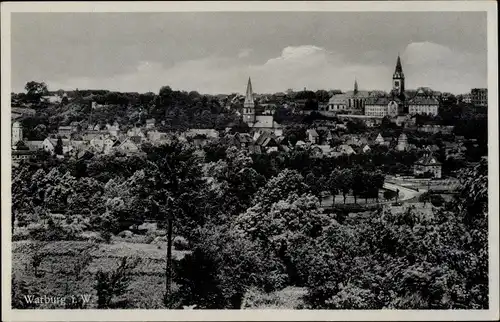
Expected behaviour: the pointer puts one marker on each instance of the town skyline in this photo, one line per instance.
(318, 56)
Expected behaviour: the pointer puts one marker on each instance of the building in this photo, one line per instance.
(267, 142)
(65, 131)
(209, 133)
(17, 112)
(380, 139)
(479, 97)
(320, 151)
(249, 105)
(401, 101)
(258, 123)
(424, 102)
(17, 133)
(136, 131)
(383, 106)
(402, 142)
(313, 136)
(113, 129)
(398, 79)
(466, 98)
(156, 137)
(150, 124)
(75, 126)
(49, 145)
(351, 101)
(433, 129)
(427, 165)
(54, 99)
(129, 146)
(18, 155)
(344, 149)
(34, 145)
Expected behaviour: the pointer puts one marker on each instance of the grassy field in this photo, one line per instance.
(289, 298)
(59, 259)
(56, 278)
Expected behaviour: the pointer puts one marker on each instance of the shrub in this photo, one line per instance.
(113, 284)
(255, 299)
(20, 234)
(437, 200)
(19, 290)
(106, 235)
(55, 231)
(180, 243)
(125, 234)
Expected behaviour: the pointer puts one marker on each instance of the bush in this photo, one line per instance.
(437, 200)
(114, 284)
(180, 243)
(255, 299)
(55, 231)
(19, 290)
(20, 234)
(106, 235)
(125, 234)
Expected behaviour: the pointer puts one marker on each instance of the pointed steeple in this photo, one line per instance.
(249, 95)
(399, 68)
(355, 86)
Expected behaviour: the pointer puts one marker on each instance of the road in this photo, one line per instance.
(404, 193)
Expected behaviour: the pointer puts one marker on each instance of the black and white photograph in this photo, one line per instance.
(250, 160)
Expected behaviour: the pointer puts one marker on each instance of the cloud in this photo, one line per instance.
(245, 53)
(440, 67)
(313, 67)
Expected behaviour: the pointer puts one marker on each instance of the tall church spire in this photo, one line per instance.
(355, 86)
(399, 68)
(249, 95)
(398, 79)
(249, 104)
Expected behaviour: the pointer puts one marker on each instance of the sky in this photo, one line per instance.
(216, 52)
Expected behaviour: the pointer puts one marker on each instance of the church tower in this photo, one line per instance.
(249, 105)
(355, 86)
(398, 79)
(17, 133)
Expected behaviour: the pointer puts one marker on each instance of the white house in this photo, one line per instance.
(379, 139)
(313, 136)
(128, 146)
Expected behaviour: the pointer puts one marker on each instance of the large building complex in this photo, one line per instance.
(401, 101)
(352, 101)
(479, 97)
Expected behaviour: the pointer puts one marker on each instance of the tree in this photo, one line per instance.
(345, 181)
(377, 180)
(280, 187)
(35, 91)
(114, 284)
(221, 267)
(20, 289)
(333, 183)
(294, 134)
(58, 149)
(317, 185)
(389, 194)
(282, 227)
(322, 95)
(359, 182)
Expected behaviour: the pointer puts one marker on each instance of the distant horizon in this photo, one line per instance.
(242, 92)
